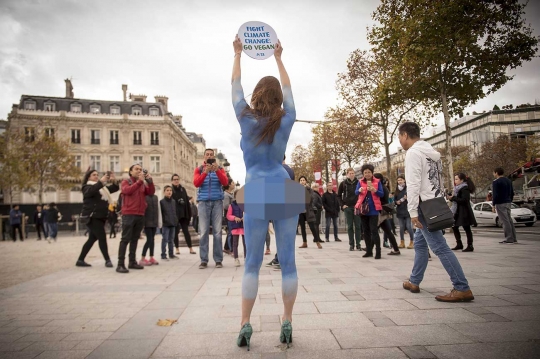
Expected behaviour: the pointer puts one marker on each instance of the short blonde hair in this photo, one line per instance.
(350, 169)
(314, 184)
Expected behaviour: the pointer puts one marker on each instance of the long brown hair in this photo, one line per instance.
(266, 103)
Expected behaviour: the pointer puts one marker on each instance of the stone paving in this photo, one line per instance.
(347, 307)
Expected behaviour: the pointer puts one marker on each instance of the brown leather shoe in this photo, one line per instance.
(411, 287)
(304, 245)
(456, 296)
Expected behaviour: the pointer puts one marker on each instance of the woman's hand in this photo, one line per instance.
(278, 50)
(104, 179)
(236, 219)
(449, 197)
(237, 45)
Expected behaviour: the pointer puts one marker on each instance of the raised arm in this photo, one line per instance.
(236, 72)
(283, 76)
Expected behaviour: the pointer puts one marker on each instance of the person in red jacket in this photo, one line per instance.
(134, 189)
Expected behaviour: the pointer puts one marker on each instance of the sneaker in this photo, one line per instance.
(277, 267)
(153, 261)
(177, 250)
(272, 263)
(219, 265)
(82, 264)
(144, 262)
(172, 256)
(386, 245)
(237, 262)
(506, 242)
(134, 265)
(203, 265)
(338, 240)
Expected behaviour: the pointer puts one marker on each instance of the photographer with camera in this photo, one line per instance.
(209, 179)
(183, 212)
(96, 200)
(134, 189)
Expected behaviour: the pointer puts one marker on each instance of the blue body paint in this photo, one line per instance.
(264, 165)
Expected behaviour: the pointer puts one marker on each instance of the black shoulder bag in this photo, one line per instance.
(437, 214)
(86, 219)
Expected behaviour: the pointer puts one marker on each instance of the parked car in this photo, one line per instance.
(484, 214)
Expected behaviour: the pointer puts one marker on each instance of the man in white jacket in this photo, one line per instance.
(423, 172)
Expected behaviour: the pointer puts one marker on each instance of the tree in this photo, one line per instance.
(50, 163)
(13, 176)
(451, 53)
(302, 162)
(496, 108)
(374, 99)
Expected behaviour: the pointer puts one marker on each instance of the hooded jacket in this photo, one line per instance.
(423, 170)
(346, 195)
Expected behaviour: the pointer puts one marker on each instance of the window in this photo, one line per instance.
(29, 134)
(114, 163)
(94, 137)
(75, 136)
(76, 107)
(137, 137)
(154, 111)
(95, 108)
(486, 207)
(154, 164)
(29, 105)
(138, 159)
(154, 138)
(49, 106)
(115, 110)
(136, 110)
(49, 133)
(114, 137)
(77, 160)
(95, 163)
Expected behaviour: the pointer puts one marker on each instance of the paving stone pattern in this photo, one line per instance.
(347, 307)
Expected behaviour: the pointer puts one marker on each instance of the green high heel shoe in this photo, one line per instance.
(286, 332)
(245, 336)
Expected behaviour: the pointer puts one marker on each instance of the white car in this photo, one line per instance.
(484, 215)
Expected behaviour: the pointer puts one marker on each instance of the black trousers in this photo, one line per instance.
(386, 226)
(132, 225)
(149, 245)
(314, 231)
(183, 223)
(113, 229)
(318, 213)
(39, 228)
(96, 230)
(17, 227)
(468, 232)
(370, 232)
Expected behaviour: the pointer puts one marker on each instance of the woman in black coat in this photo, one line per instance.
(463, 213)
(309, 217)
(96, 200)
(402, 213)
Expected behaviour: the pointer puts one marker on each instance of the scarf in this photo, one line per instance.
(105, 194)
(456, 190)
(400, 187)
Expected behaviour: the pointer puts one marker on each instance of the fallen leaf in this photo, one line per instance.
(166, 322)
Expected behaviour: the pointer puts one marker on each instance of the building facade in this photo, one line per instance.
(473, 131)
(110, 135)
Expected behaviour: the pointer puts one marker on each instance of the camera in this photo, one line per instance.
(145, 172)
(211, 161)
(181, 201)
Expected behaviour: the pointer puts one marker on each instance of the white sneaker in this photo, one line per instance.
(237, 262)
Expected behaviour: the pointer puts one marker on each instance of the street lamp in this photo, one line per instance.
(237, 184)
(227, 165)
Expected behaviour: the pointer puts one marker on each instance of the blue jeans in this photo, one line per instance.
(334, 220)
(210, 211)
(52, 230)
(437, 242)
(167, 238)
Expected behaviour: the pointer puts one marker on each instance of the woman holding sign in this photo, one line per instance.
(266, 127)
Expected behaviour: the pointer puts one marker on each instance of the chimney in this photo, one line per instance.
(69, 88)
(163, 100)
(124, 90)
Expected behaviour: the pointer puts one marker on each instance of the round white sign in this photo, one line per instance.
(258, 39)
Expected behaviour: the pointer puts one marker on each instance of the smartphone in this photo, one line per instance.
(211, 161)
(109, 173)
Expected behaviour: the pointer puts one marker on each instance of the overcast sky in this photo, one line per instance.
(183, 50)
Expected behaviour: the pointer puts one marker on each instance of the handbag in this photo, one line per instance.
(437, 214)
(86, 219)
(389, 208)
(364, 208)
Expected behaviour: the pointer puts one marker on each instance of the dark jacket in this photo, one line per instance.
(401, 209)
(168, 212)
(38, 217)
(52, 215)
(464, 215)
(237, 212)
(92, 201)
(180, 197)
(194, 210)
(310, 214)
(15, 217)
(503, 191)
(112, 217)
(346, 195)
(331, 204)
(151, 215)
(317, 200)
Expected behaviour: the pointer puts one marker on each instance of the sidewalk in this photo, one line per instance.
(347, 307)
